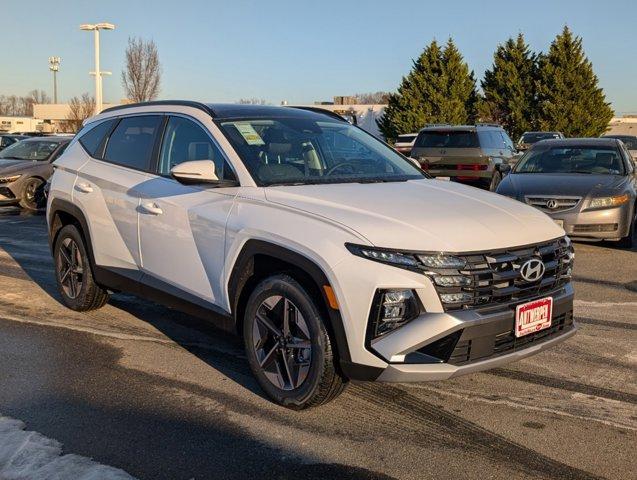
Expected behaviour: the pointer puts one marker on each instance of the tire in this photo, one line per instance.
(73, 272)
(29, 200)
(495, 180)
(295, 368)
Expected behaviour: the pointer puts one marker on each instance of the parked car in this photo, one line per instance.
(7, 139)
(312, 239)
(476, 154)
(529, 138)
(405, 142)
(629, 140)
(25, 167)
(588, 186)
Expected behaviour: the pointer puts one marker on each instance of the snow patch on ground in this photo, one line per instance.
(26, 455)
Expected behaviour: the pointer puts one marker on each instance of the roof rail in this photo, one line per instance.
(177, 103)
(438, 125)
(329, 113)
(488, 125)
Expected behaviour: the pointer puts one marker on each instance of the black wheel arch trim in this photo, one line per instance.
(242, 270)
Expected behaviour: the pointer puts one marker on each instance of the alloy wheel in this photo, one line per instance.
(70, 268)
(281, 342)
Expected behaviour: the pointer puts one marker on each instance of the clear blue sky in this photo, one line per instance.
(297, 50)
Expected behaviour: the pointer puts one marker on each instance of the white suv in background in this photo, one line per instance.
(328, 252)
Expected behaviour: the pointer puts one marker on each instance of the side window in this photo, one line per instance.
(92, 140)
(184, 141)
(131, 143)
(508, 143)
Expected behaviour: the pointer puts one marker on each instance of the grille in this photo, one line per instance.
(599, 227)
(491, 345)
(553, 204)
(495, 281)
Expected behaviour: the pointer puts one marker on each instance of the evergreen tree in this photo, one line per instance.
(510, 88)
(438, 89)
(570, 99)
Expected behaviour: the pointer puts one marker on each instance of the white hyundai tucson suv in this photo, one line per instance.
(332, 255)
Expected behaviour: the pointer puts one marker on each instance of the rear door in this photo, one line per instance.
(106, 189)
(182, 227)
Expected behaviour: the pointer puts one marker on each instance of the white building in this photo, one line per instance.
(53, 116)
(19, 124)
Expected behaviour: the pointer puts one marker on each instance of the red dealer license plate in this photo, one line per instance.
(533, 316)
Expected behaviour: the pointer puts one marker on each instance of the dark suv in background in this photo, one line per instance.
(477, 154)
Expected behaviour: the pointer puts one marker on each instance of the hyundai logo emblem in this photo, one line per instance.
(532, 270)
(551, 204)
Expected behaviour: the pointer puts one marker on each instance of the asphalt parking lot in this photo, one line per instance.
(163, 396)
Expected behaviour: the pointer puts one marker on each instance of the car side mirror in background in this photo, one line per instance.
(505, 169)
(415, 162)
(195, 172)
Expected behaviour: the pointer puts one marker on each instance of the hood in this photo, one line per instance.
(9, 166)
(426, 215)
(578, 185)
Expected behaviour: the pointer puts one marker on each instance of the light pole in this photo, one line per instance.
(96, 27)
(54, 66)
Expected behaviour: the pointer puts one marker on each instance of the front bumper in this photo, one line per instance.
(479, 341)
(6, 195)
(604, 224)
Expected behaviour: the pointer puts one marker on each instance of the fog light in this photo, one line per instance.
(393, 309)
(455, 297)
(452, 280)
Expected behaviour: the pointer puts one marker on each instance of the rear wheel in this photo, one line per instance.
(30, 193)
(287, 345)
(73, 273)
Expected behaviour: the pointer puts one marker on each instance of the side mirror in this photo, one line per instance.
(194, 172)
(415, 162)
(505, 169)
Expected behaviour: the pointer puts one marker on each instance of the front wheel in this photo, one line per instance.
(30, 194)
(630, 240)
(288, 347)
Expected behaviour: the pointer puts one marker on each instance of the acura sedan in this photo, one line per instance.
(587, 185)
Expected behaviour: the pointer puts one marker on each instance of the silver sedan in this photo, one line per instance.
(587, 185)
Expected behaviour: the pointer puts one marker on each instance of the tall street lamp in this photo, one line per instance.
(96, 27)
(54, 66)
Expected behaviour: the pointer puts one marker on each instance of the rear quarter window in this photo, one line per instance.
(93, 139)
(131, 143)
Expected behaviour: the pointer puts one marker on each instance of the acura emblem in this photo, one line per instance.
(551, 204)
(532, 270)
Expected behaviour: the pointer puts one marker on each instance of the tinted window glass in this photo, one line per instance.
(534, 137)
(490, 139)
(92, 139)
(447, 139)
(185, 141)
(507, 140)
(131, 143)
(588, 160)
(305, 151)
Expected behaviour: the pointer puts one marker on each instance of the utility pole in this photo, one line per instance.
(54, 66)
(98, 73)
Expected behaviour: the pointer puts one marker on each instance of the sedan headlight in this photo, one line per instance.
(608, 202)
(10, 179)
(404, 260)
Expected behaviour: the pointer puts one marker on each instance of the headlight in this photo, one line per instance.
(607, 202)
(9, 179)
(392, 309)
(398, 259)
(441, 261)
(452, 280)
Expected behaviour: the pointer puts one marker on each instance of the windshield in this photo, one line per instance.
(537, 136)
(447, 139)
(592, 160)
(29, 150)
(284, 151)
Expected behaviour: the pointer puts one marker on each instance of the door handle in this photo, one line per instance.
(151, 208)
(84, 187)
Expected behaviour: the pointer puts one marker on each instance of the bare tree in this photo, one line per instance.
(80, 109)
(252, 101)
(372, 98)
(142, 76)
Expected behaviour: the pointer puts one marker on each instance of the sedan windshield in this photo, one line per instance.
(29, 150)
(591, 160)
(534, 137)
(292, 151)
